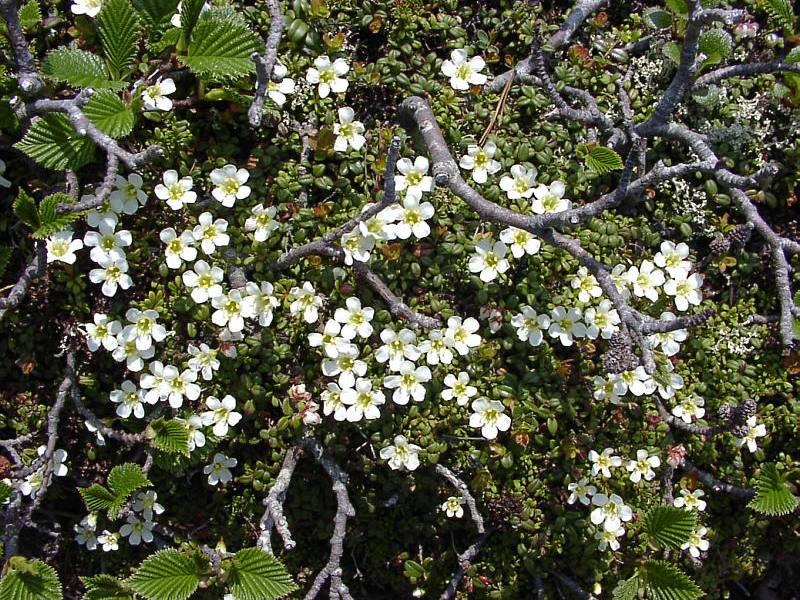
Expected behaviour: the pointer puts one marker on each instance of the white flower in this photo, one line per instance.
(636, 381)
(129, 398)
(453, 507)
(645, 280)
(602, 463)
(690, 500)
(397, 347)
(696, 543)
(177, 192)
(550, 199)
(110, 541)
(90, 8)
(221, 414)
(603, 320)
(32, 482)
(611, 511)
(128, 195)
(328, 75)
(329, 340)
(581, 491)
(463, 72)
(356, 246)
(102, 332)
(219, 469)
(181, 384)
(232, 310)
(673, 258)
(408, 383)
(262, 222)
(667, 381)
(193, 424)
(204, 360)
(619, 275)
(348, 131)
(520, 242)
(461, 335)
(459, 388)
(686, 290)
(587, 286)
(204, 281)
(155, 96)
(179, 248)
(530, 325)
(608, 539)
(59, 460)
(61, 247)
(137, 530)
(379, 226)
(305, 301)
(520, 183)
(606, 388)
(565, 324)
(643, 466)
(414, 177)
(347, 366)
(230, 184)
(3, 181)
(401, 454)
(86, 531)
(670, 340)
(489, 417)
(437, 348)
(106, 242)
(277, 90)
(154, 382)
(412, 216)
(489, 259)
(691, 406)
(480, 161)
(113, 274)
(355, 320)
(754, 431)
(262, 300)
(362, 401)
(210, 233)
(133, 357)
(145, 503)
(332, 402)
(143, 328)
(101, 441)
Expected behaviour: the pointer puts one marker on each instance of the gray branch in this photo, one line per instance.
(265, 63)
(30, 82)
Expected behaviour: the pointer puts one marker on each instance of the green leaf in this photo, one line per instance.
(78, 68)
(156, 14)
(5, 489)
(166, 575)
(127, 478)
(602, 160)
(51, 221)
(119, 31)
(221, 47)
(679, 7)
(773, 498)
(110, 114)
(171, 436)
(793, 56)
(664, 581)
(256, 575)
(26, 211)
(105, 587)
(781, 12)
(190, 12)
(627, 589)
(716, 44)
(672, 51)
(30, 15)
(669, 527)
(53, 143)
(29, 579)
(657, 18)
(97, 497)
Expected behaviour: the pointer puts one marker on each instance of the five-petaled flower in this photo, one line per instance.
(464, 72)
(480, 161)
(327, 75)
(221, 414)
(413, 177)
(643, 466)
(155, 96)
(347, 131)
(489, 417)
(401, 454)
(453, 507)
(489, 259)
(61, 247)
(219, 469)
(177, 192)
(611, 511)
(602, 463)
(520, 183)
(230, 185)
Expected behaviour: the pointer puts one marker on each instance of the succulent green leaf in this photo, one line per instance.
(256, 575)
(773, 498)
(29, 579)
(171, 436)
(110, 114)
(669, 527)
(716, 44)
(53, 143)
(105, 587)
(657, 18)
(119, 31)
(220, 47)
(77, 68)
(664, 581)
(601, 159)
(166, 575)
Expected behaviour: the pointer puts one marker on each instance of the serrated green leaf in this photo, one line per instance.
(29, 579)
(26, 210)
(171, 436)
(169, 39)
(190, 12)
(105, 587)
(781, 12)
(793, 56)
(53, 143)
(30, 15)
(664, 581)
(256, 575)
(5, 489)
(669, 527)
(156, 14)
(773, 498)
(119, 31)
(127, 478)
(627, 589)
(110, 114)
(221, 47)
(97, 497)
(166, 575)
(78, 68)
(50, 221)
(602, 160)
(657, 18)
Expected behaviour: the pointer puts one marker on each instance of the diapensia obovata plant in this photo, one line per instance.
(530, 271)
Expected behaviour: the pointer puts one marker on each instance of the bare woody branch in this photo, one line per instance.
(715, 484)
(30, 82)
(265, 63)
(273, 516)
